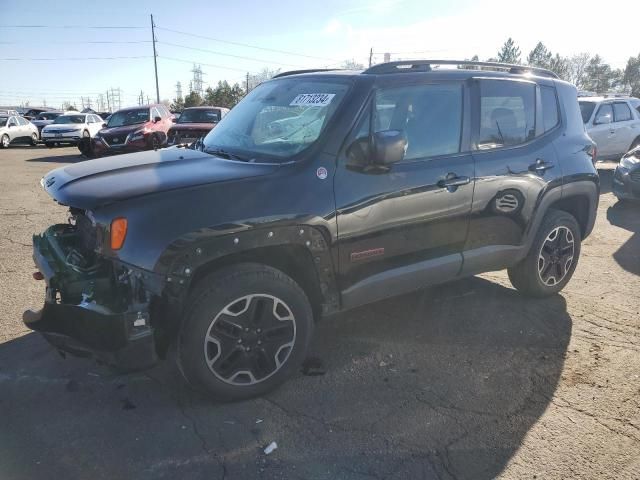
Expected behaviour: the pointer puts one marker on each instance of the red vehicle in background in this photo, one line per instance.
(195, 122)
(133, 129)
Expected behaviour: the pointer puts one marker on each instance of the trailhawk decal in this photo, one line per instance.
(374, 252)
(312, 100)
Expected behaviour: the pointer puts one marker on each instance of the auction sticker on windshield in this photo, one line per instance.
(312, 100)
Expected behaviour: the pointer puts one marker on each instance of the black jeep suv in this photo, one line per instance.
(320, 191)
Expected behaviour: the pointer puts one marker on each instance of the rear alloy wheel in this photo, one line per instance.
(34, 139)
(552, 258)
(247, 331)
(5, 141)
(86, 134)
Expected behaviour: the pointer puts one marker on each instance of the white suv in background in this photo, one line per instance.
(613, 123)
(70, 128)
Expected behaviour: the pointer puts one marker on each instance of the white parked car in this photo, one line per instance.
(613, 123)
(70, 128)
(16, 129)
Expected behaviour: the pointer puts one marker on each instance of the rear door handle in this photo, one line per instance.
(452, 181)
(540, 166)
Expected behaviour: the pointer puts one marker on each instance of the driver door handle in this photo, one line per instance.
(453, 180)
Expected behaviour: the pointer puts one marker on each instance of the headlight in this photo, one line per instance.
(630, 160)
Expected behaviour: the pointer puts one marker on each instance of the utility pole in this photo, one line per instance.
(155, 59)
(247, 89)
(370, 56)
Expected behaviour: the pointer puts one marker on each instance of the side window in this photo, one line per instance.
(604, 114)
(90, 119)
(12, 122)
(22, 121)
(430, 116)
(549, 107)
(621, 112)
(154, 113)
(507, 113)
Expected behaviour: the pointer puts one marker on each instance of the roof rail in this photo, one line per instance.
(425, 66)
(311, 70)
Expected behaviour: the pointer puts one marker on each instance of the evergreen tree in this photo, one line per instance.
(510, 52)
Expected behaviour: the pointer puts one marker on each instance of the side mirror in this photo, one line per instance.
(104, 124)
(389, 146)
(174, 120)
(385, 148)
(602, 119)
(157, 119)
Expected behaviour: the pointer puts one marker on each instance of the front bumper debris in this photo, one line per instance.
(93, 306)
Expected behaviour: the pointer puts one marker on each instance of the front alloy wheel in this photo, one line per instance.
(556, 256)
(4, 142)
(247, 329)
(250, 339)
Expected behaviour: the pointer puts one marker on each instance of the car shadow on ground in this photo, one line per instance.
(69, 158)
(442, 383)
(627, 215)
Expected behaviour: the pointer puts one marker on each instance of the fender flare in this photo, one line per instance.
(182, 259)
(587, 188)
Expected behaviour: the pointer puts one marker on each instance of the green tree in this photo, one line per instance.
(510, 52)
(540, 56)
(177, 105)
(224, 95)
(192, 100)
(631, 75)
(265, 74)
(598, 75)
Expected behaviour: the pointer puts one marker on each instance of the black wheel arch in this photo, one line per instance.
(300, 251)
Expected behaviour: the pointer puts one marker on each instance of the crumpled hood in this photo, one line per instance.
(94, 183)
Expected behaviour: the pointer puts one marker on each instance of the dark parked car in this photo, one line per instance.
(34, 112)
(194, 123)
(406, 176)
(134, 129)
(626, 179)
(44, 119)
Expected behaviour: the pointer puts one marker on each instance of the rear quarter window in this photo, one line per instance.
(550, 117)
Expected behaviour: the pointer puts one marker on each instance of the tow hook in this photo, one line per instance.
(38, 276)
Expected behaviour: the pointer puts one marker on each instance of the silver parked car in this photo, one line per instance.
(613, 123)
(17, 129)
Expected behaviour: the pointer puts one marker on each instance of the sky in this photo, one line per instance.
(70, 54)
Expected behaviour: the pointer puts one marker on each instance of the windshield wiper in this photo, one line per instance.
(219, 152)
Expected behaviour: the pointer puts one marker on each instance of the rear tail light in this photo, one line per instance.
(594, 154)
(118, 233)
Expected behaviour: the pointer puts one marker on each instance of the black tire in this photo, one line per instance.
(528, 275)
(5, 141)
(634, 144)
(86, 134)
(242, 361)
(34, 139)
(154, 143)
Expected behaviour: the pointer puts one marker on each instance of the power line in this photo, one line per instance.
(78, 42)
(72, 58)
(285, 52)
(99, 27)
(227, 54)
(200, 63)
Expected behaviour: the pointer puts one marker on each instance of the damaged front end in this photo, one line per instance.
(94, 305)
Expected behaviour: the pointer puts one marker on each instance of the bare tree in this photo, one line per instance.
(578, 69)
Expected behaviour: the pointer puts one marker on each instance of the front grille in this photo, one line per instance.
(115, 139)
